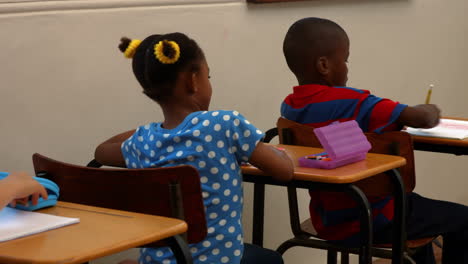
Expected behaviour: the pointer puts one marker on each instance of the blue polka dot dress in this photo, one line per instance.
(214, 142)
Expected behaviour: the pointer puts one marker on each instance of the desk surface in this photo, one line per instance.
(441, 141)
(372, 165)
(443, 145)
(100, 232)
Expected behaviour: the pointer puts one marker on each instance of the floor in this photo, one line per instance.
(437, 253)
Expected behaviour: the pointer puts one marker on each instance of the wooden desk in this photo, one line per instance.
(372, 165)
(442, 145)
(339, 179)
(100, 232)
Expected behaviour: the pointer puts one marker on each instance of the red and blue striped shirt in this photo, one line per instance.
(334, 215)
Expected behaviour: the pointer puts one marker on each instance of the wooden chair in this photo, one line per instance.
(172, 192)
(393, 143)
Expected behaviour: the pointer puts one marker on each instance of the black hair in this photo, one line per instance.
(308, 39)
(158, 78)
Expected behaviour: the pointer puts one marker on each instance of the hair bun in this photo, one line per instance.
(167, 51)
(128, 46)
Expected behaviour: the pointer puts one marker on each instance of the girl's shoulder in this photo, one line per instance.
(141, 133)
(229, 120)
(225, 115)
(143, 129)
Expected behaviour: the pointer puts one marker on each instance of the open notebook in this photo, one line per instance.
(16, 223)
(447, 128)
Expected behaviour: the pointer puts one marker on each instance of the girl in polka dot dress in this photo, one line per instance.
(173, 72)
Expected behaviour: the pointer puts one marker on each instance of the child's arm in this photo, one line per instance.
(109, 152)
(420, 116)
(18, 186)
(272, 161)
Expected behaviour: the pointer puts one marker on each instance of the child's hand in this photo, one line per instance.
(23, 185)
(22, 201)
(420, 116)
(433, 111)
(273, 161)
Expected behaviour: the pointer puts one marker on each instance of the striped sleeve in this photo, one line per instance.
(384, 116)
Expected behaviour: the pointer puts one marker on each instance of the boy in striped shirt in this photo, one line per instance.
(316, 51)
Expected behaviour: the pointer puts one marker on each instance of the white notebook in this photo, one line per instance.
(16, 223)
(447, 128)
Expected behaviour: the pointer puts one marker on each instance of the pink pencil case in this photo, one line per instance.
(344, 143)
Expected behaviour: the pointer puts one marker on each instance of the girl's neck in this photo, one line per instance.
(175, 113)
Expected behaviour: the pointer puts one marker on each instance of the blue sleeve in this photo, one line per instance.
(129, 150)
(243, 137)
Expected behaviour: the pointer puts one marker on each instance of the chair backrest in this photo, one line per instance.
(391, 143)
(170, 191)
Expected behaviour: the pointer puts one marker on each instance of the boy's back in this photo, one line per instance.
(319, 105)
(316, 51)
(334, 215)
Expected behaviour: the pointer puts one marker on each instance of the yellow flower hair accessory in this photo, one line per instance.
(132, 46)
(170, 58)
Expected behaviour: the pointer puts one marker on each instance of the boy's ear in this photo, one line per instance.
(323, 65)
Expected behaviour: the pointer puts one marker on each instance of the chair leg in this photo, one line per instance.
(365, 255)
(407, 259)
(399, 217)
(294, 218)
(180, 249)
(344, 258)
(285, 246)
(332, 256)
(258, 214)
(437, 242)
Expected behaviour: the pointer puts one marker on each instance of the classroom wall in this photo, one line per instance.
(65, 87)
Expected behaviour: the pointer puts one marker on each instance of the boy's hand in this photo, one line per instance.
(420, 116)
(433, 111)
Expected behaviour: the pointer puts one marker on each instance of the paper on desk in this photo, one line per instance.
(16, 223)
(447, 128)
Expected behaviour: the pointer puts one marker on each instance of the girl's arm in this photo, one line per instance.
(272, 161)
(109, 152)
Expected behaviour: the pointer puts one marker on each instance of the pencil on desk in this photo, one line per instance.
(429, 93)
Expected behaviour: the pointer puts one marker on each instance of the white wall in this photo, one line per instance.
(66, 87)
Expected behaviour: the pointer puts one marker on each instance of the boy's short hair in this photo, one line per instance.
(308, 39)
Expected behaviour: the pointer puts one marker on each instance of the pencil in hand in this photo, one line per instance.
(429, 93)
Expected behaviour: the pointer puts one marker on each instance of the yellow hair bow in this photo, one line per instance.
(132, 46)
(167, 59)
